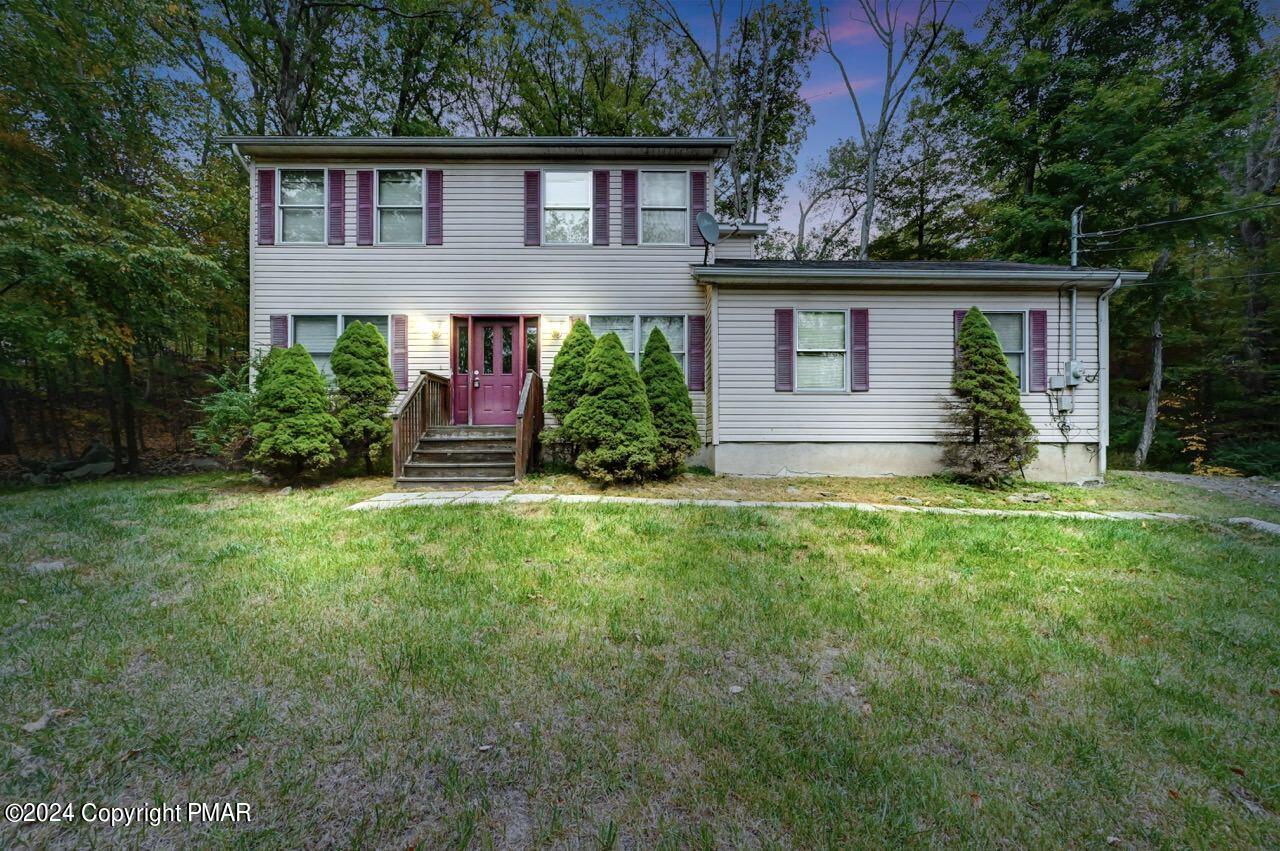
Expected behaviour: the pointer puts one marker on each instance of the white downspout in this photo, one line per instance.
(1104, 371)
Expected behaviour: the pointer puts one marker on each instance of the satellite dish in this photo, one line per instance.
(708, 227)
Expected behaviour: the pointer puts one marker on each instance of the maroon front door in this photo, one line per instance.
(495, 371)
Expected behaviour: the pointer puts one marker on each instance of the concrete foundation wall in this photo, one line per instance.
(1058, 462)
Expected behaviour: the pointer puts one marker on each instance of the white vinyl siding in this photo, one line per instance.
(910, 357)
(483, 268)
(566, 210)
(822, 346)
(399, 202)
(300, 204)
(664, 207)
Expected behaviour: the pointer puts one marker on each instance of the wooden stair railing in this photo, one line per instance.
(427, 403)
(529, 421)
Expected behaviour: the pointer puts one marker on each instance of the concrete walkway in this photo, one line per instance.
(402, 499)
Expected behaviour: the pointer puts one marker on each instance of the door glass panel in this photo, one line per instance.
(488, 350)
(506, 349)
(531, 344)
(464, 345)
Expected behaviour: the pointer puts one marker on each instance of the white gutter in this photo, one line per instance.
(730, 275)
(1104, 372)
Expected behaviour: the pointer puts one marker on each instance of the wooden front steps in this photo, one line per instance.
(461, 455)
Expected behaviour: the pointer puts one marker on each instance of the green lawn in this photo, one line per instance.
(631, 675)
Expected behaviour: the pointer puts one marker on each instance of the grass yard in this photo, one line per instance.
(633, 675)
(1122, 491)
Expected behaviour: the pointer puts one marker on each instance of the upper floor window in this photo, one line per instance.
(821, 348)
(634, 332)
(399, 202)
(566, 215)
(301, 205)
(1010, 330)
(664, 207)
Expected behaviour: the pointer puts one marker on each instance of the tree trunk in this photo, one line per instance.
(1153, 388)
(869, 203)
(134, 464)
(8, 442)
(1157, 362)
(113, 417)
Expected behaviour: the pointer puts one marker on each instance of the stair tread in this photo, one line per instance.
(447, 480)
(453, 465)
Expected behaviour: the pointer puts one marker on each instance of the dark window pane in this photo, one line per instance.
(488, 350)
(506, 349)
(464, 346)
(531, 344)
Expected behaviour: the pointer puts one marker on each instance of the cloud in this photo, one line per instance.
(815, 92)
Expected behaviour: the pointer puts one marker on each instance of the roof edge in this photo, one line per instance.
(834, 277)
(477, 145)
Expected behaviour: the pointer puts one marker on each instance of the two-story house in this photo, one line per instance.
(474, 255)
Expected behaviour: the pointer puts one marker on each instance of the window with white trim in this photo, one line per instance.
(664, 207)
(634, 330)
(1011, 331)
(822, 349)
(319, 334)
(566, 209)
(399, 202)
(301, 205)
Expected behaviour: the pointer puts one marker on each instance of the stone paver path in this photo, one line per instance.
(401, 499)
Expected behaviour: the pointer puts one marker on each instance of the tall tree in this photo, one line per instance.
(1125, 108)
(908, 46)
(926, 194)
(743, 81)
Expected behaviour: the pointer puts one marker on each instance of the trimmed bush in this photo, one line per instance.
(365, 389)
(988, 434)
(565, 384)
(611, 423)
(669, 402)
(293, 431)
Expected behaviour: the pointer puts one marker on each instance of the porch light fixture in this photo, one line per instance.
(437, 329)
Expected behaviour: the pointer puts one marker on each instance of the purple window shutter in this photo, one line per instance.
(435, 207)
(859, 350)
(600, 207)
(1039, 376)
(364, 207)
(784, 350)
(400, 350)
(697, 204)
(266, 206)
(696, 352)
(279, 330)
(958, 317)
(337, 206)
(630, 207)
(533, 208)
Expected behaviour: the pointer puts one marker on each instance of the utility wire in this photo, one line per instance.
(1116, 231)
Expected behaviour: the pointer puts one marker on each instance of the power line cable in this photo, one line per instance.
(1162, 222)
